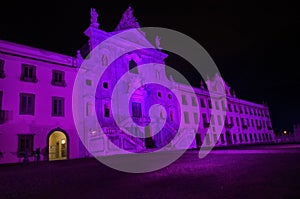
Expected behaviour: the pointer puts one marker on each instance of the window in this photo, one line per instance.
(246, 137)
(246, 110)
(169, 96)
(250, 111)
(237, 121)
(133, 66)
(105, 85)
(217, 105)
(212, 119)
(209, 103)
(215, 138)
(234, 138)
(106, 110)
(194, 102)
(186, 117)
(25, 145)
(202, 103)
(235, 109)
(251, 137)
(240, 137)
(229, 108)
(28, 73)
(57, 106)
(252, 122)
(223, 105)
(241, 109)
(104, 60)
(219, 120)
(2, 74)
(88, 82)
(159, 94)
(136, 109)
(58, 78)
(196, 118)
(27, 104)
(184, 102)
(171, 116)
(222, 138)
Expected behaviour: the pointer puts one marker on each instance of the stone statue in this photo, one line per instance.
(94, 18)
(157, 42)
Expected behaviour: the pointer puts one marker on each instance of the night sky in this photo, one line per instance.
(254, 43)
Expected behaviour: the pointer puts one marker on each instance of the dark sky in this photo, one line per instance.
(254, 43)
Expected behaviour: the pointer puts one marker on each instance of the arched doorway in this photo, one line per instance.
(58, 145)
(228, 138)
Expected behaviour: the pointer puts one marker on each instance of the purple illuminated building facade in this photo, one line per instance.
(36, 89)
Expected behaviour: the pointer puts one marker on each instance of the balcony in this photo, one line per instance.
(28, 79)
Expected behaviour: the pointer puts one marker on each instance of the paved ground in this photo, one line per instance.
(254, 172)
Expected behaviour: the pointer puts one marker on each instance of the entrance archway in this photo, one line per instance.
(58, 145)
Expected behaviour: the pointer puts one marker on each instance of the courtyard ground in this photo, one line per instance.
(247, 172)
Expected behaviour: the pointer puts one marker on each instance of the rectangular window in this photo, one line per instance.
(194, 102)
(235, 109)
(196, 118)
(25, 145)
(209, 103)
(88, 82)
(246, 137)
(234, 138)
(223, 105)
(107, 111)
(219, 120)
(184, 101)
(27, 102)
(58, 78)
(202, 103)
(252, 122)
(186, 117)
(241, 109)
(240, 137)
(237, 121)
(246, 110)
(28, 73)
(2, 74)
(217, 105)
(57, 106)
(229, 108)
(215, 138)
(136, 109)
(212, 119)
(171, 116)
(222, 138)
(250, 111)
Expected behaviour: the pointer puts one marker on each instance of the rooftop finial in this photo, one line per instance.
(94, 18)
